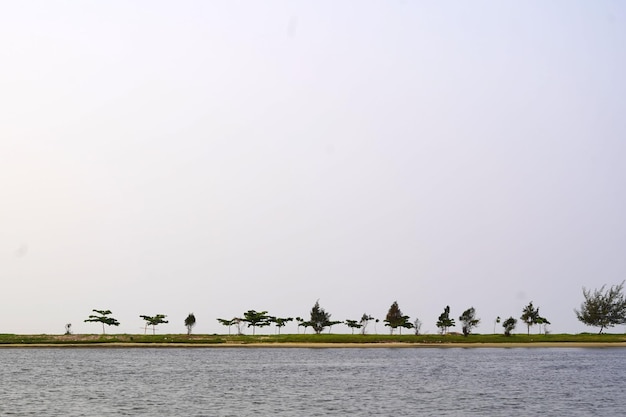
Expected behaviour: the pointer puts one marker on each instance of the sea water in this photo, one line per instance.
(312, 382)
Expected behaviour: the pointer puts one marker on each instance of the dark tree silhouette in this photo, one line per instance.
(153, 321)
(320, 319)
(602, 308)
(190, 321)
(103, 317)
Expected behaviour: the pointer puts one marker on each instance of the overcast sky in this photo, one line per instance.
(216, 157)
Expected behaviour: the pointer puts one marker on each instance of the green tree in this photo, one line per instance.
(190, 321)
(102, 317)
(320, 319)
(256, 319)
(509, 324)
(229, 323)
(153, 321)
(353, 324)
(602, 308)
(305, 324)
(530, 315)
(280, 322)
(445, 322)
(365, 319)
(542, 321)
(396, 320)
(469, 320)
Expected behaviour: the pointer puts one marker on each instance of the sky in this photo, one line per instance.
(215, 157)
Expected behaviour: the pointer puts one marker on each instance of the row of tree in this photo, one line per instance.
(601, 308)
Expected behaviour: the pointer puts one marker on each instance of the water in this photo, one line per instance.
(312, 382)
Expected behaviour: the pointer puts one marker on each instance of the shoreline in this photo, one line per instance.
(321, 345)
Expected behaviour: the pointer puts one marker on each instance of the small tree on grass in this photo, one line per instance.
(190, 321)
(445, 322)
(102, 317)
(365, 319)
(530, 315)
(469, 320)
(153, 321)
(320, 319)
(602, 308)
(256, 319)
(396, 320)
(227, 323)
(353, 324)
(304, 324)
(280, 322)
(509, 324)
(542, 321)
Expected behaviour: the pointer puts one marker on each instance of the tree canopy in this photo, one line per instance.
(395, 319)
(280, 321)
(530, 316)
(509, 324)
(154, 321)
(602, 308)
(256, 319)
(353, 324)
(102, 317)
(365, 319)
(228, 323)
(469, 320)
(320, 319)
(445, 322)
(190, 321)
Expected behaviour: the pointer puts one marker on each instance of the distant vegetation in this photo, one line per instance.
(603, 308)
(431, 339)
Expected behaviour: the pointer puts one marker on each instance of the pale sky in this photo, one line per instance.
(216, 157)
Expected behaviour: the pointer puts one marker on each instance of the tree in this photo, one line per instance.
(280, 321)
(153, 321)
(530, 315)
(190, 321)
(602, 308)
(396, 320)
(445, 322)
(509, 324)
(103, 318)
(353, 324)
(304, 324)
(235, 320)
(256, 319)
(320, 319)
(365, 319)
(496, 321)
(417, 325)
(543, 321)
(469, 320)
(227, 323)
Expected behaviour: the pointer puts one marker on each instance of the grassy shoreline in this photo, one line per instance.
(313, 340)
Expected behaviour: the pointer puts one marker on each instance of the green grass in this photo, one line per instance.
(174, 339)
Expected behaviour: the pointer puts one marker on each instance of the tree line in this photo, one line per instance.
(603, 308)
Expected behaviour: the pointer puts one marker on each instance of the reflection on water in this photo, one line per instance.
(312, 382)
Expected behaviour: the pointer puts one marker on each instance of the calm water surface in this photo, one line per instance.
(313, 382)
